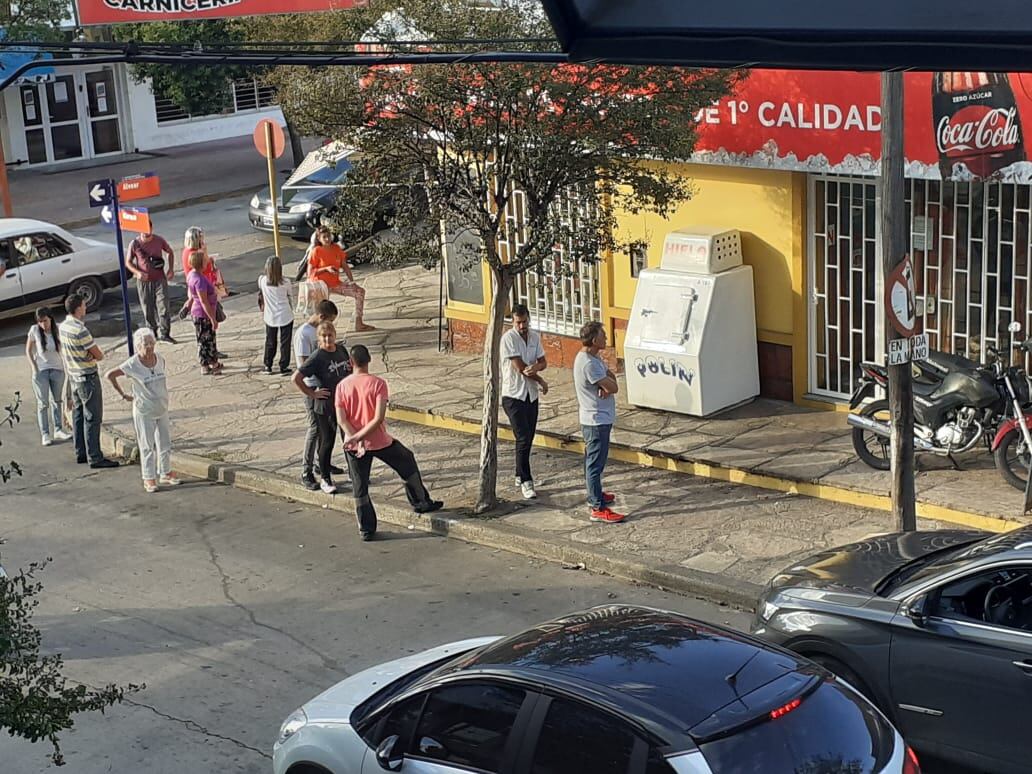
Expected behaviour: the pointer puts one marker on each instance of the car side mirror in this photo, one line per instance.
(917, 610)
(387, 755)
(431, 748)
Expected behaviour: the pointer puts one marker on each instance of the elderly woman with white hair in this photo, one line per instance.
(146, 372)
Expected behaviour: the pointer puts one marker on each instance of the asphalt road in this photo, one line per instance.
(235, 608)
(242, 252)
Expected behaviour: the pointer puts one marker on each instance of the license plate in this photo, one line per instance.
(862, 388)
(266, 221)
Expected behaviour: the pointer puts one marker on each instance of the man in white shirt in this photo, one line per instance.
(523, 360)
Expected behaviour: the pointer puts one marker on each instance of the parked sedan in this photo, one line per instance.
(612, 690)
(934, 627)
(42, 264)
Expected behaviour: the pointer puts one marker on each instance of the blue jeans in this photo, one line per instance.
(47, 385)
(87, 414)
(596, 452)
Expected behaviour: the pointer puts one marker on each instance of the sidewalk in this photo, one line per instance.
(189, 174)
(685, 531)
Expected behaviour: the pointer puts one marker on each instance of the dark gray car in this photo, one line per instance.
(934, 627)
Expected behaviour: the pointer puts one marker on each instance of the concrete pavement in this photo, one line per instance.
(714, 538)
(235, 608)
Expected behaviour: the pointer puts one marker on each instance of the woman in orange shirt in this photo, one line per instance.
(327, 262)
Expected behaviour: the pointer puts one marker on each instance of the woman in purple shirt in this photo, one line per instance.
(204, 300)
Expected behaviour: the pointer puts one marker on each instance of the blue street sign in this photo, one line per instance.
(108, 216)
(101, 192)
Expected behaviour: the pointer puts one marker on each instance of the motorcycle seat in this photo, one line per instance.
(924, 389)
(944, 362)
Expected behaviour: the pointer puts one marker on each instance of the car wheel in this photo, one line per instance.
(90, 289)
(839, 669)
(307, 768)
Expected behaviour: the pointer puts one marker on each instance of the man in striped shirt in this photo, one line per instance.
(81, 355)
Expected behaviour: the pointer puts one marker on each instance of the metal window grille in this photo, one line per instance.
(970, 243)
(845, 282)
(247, 93)
(562, 293)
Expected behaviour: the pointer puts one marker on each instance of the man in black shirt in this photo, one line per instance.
(325, 367)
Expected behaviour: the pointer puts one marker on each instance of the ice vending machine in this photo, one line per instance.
(691, 339)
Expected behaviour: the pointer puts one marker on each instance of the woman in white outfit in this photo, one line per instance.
(274, 291)
(43, 349)
(146, 371)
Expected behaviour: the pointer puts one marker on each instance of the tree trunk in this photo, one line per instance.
(295, 142)
(501, 284)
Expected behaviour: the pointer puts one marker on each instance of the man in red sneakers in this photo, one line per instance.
(596, 387)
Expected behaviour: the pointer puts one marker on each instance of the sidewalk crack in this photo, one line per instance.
(224, 579)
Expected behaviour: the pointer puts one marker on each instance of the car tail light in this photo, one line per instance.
(784, 709)
(910, 764)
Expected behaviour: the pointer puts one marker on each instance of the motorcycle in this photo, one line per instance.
(957, 404)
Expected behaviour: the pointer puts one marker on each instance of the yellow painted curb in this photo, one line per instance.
(828, 492)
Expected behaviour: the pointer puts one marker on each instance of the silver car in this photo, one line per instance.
(611, 690)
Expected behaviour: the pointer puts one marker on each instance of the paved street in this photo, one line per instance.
(235, 608)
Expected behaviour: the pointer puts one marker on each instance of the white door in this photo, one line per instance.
(10, 279)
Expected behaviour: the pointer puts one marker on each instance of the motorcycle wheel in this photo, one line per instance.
(1012, 458)
(873, 449)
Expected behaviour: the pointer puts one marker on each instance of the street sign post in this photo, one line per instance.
(270, 142)
(104, 194)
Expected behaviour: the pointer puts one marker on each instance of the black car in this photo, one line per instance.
(934, 627)
(612, 690)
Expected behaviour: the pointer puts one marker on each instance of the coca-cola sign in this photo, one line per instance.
(956, 125)
(978, 128)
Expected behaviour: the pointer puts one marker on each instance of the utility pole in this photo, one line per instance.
(893, 253)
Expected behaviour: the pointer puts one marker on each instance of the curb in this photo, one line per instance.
(485, 532)
(176, 205)
(682, 464)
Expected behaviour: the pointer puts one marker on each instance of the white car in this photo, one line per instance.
(42, 264)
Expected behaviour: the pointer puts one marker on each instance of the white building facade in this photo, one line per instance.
(98, 111)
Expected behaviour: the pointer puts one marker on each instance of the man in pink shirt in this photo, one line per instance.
(361, 402)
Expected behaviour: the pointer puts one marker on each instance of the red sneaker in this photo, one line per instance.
(608, 497)
(606, 515)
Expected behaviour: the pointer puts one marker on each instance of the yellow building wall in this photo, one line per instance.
(768, 208)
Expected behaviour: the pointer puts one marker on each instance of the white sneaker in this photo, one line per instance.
(61, 435)
(46, 440)
(328, 487)
(169, 480)
(529, 493)
(516, 482)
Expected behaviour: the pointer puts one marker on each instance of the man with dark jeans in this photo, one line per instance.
(361, 408)
(81, 355)
(151, 262)
(596, 385)
(325, 367)
(523, 359)
(306, 341)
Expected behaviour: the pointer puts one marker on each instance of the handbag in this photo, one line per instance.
(220, 313)
(220, 284)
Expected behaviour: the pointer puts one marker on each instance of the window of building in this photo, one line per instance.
(561, 293)
(247, 95)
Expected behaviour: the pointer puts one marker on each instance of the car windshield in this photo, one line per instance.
(326, 176)
(922, 567)
(832, 730)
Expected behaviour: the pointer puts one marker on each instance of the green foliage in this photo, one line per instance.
(37, 702)
(33, 19)
(10, 419)
(198, 90)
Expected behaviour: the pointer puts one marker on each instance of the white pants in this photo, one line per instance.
(154, 438)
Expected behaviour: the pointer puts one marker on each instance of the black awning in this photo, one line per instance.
(990, 35)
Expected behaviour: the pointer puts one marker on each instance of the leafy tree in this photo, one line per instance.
(37, 702)
(486, 134)
(197, 90)
(33, 19)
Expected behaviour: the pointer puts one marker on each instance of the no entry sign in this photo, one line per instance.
(119, 11)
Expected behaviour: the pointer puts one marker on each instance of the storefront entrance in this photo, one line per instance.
(970, 243)
(73, 116)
